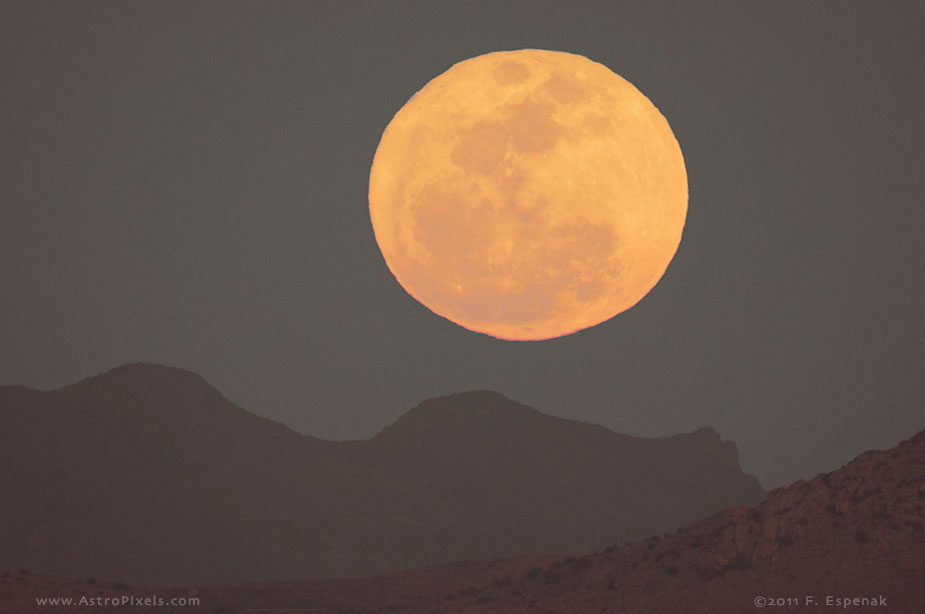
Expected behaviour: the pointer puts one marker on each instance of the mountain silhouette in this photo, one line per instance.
(853, 534)
(148, 474)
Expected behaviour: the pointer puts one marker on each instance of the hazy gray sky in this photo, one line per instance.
(185, 183)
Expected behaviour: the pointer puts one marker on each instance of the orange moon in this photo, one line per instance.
(528, 194)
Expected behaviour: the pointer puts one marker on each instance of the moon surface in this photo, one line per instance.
(528, 194)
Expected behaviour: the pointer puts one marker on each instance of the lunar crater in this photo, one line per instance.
(510, 72)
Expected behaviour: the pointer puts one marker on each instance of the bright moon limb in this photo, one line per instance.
(528, 194)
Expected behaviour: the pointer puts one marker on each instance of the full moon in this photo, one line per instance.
(528, 194)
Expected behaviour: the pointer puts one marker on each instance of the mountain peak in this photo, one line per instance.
(457, 412)
(143, 377)
(476, 402)
(149, 389)
(143, 373)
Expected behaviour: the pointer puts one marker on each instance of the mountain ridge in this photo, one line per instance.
(153, 373)
(205, 490)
